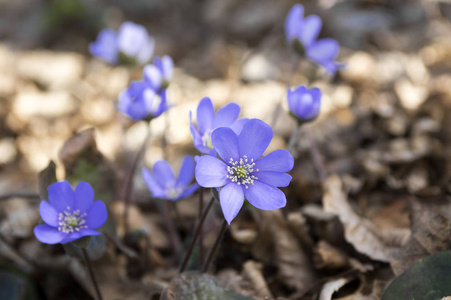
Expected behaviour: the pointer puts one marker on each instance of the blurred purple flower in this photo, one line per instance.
(304, 103)
(69, 215)
(163, 184)
(131, 41)
(302, 34)
(242, 172)
(159, 74)
(105, 46)
(207, 121)
(139, 101)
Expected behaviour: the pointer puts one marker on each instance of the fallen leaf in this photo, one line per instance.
(361, 233)
(331, 287)
(195, 286)
(295, 267)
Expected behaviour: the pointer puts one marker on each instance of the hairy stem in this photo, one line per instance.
(91, 274)
(316, 155)
(201, 235)
(195, 235)
(294, 65)
(215, 246)
(293, 138)
(170, 226)
(128, 186)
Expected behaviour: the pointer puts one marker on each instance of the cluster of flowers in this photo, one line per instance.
(232, 149)
(145, 98)
(302, 34)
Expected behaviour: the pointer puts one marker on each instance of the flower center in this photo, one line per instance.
(206, 139)
(173, 192)
(241, 171)
(71, 221)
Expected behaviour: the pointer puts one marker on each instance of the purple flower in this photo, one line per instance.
(105, 46)
(163, 184)
(131, 43)
(207, 121)
(159, 74)
(242, 172)
(69, 215)
(304, 103)
(302, 34)
(139, 101)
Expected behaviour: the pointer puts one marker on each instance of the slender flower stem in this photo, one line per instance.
(215, 246)
(91, 274)
(128, 187)
(170, 225)
(195, 235)
(201, 234)
(316, 155)
(294, 65)
(293, 138)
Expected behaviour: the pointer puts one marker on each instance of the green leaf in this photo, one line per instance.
(428, 279)
(197, 286)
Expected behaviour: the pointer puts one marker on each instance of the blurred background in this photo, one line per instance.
(385, 118)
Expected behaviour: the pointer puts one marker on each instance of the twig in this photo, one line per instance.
(91, 274)
(129, 182)
(20, 195)
(33, 264)
(215, 246)
(195, 235)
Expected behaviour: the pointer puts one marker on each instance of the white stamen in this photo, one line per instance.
(241, 172)
(71, 221)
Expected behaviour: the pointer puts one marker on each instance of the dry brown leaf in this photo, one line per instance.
(376, 293)
(360, 232)
(253, 271)
(328, 257)
(431, 233)
(295, 268)
(331, 287)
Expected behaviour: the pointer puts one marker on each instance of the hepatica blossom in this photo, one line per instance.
(163, 184)
(304, 103)
(68, 214)
(130, 44)
(241, 172)
(207, 121)
(302, 34)
(159, 74)
(139, 101)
